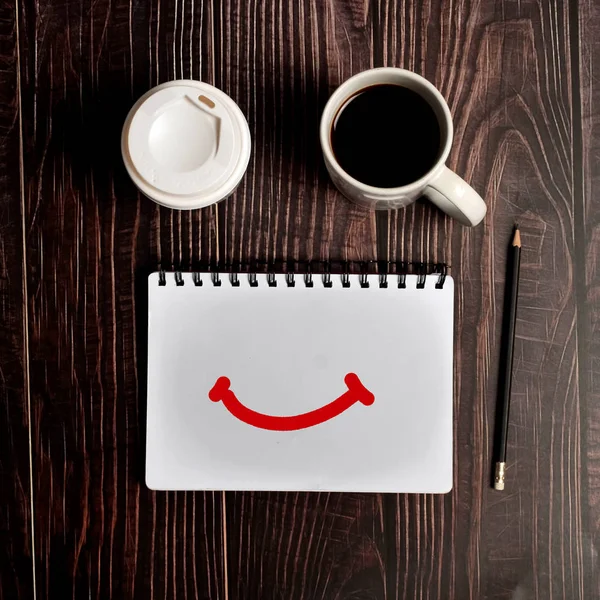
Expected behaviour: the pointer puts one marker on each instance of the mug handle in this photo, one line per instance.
(456, 197)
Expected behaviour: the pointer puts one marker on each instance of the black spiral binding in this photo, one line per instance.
(289, 276)
(252, 276)
(442, 269)
(346, 276)
(215, 277)
(383, 274)
(364, 276)
(308, 280)
(327, 283)
(421, 275)
(383, 271)
(271, 280)
(402, 276)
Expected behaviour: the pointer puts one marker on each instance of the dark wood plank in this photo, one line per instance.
(16, 564)
(511, 98)
(587, 95)
(300, 545)
(91, 239)
(505, 69)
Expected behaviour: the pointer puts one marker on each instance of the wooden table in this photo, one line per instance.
(77, 239)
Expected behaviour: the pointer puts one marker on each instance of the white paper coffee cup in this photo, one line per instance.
(186, 144)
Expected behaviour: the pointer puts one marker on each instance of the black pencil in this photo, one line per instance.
(506, 356)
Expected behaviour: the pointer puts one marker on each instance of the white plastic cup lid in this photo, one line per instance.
(186, 144)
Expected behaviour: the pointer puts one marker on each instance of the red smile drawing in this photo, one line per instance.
(356, 392)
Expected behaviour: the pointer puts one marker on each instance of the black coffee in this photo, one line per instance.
(386, 136)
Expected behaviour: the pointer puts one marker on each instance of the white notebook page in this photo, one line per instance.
(286, 351)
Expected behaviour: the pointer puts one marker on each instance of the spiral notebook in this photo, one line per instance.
(300, 382)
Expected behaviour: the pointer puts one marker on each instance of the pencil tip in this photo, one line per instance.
(517, 238)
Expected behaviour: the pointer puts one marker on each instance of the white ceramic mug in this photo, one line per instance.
(441, 185)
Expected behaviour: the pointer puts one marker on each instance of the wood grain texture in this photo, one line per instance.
(100, 533)
(587, 95)
(510, 93)
(515, 77)
(16, 563)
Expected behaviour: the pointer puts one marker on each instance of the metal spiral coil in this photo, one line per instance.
(402, 276)
(421, 275)
(327, 283)
(443, 271)
(308, 279)
(291, 277)
(363, 278)
(216, 278)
